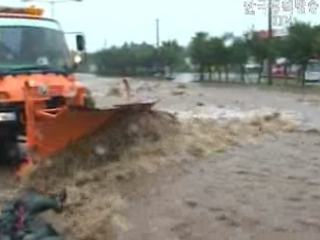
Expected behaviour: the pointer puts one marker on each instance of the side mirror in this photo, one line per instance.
(81, 45)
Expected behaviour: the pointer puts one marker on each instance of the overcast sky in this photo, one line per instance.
(119, 21)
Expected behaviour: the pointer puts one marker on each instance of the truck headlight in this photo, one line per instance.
(7, 116)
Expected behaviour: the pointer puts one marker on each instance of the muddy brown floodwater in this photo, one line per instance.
(241, 180)
(268, 190)
(272, 187)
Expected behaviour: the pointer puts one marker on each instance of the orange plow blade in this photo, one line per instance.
(51, 130)
(55, 134)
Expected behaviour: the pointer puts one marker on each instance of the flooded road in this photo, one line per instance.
(272, 187)
(269, 186)
(234, 166)
(206, 97)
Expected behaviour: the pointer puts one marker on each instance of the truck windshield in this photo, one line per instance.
(27, 48)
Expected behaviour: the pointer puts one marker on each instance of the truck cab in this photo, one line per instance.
(33, 49)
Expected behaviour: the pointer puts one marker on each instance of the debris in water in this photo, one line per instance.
(182, 86)
(94, 169)
(144, 86)
(114, 91)
(178, 92)
(100, 150)
(200, 104)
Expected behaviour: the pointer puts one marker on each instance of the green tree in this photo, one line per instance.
(130, 59)
(226, 52)
(198, 51)
(239, 54)
(145, 58)
(259, 49)
(302, 44)
(217, 55)
(171, 55)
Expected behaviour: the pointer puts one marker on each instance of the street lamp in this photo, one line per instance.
(52, 3)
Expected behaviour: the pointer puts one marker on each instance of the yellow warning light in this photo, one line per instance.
(28, 11)
(34, 11)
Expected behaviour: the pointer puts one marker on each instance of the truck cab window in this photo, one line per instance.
(32, 46)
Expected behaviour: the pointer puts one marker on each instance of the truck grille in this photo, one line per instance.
(56, 102)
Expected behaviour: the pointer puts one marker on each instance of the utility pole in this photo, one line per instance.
(270, 80)
(158, 45)
(157, 33)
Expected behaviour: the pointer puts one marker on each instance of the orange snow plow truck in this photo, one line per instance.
(43, 108)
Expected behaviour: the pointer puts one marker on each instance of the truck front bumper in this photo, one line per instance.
(10, 121)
